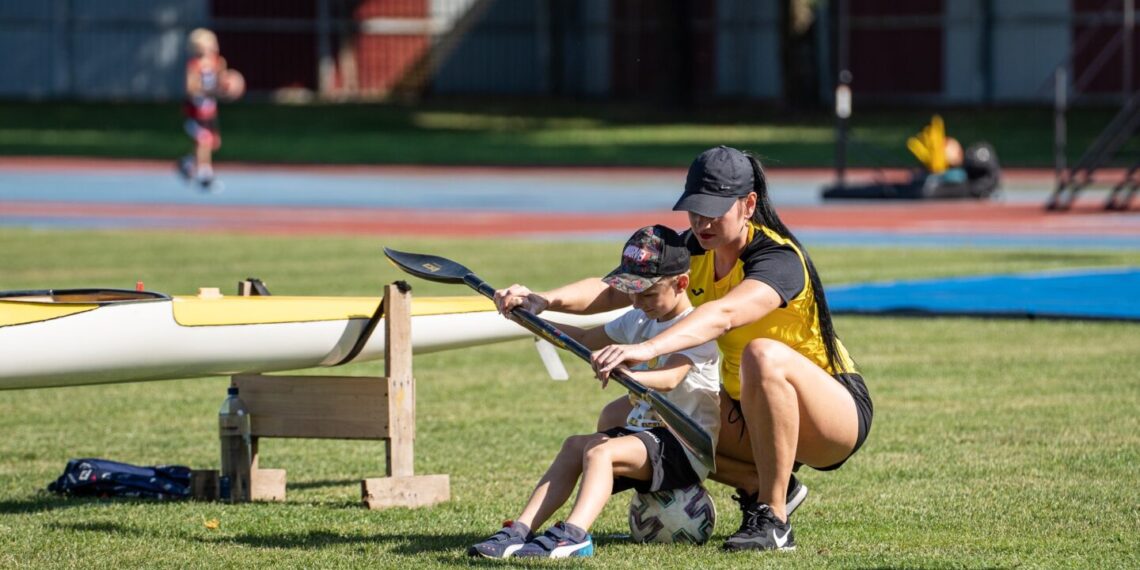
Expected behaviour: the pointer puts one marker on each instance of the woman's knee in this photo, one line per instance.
(763, 360)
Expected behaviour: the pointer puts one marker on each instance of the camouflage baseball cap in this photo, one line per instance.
(650, 253)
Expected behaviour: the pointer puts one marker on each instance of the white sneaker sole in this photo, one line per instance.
(794, 502)
(507, 552)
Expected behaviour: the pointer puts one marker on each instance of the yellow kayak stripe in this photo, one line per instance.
(194, 312)
(235, 310)
(23, 312)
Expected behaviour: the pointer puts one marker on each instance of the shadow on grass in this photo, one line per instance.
(448, 547)
(444, 548)
(45, 503)
(324, 483)
(411, 544)
(101, 527)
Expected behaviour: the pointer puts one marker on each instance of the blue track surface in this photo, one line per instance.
(54, 196)
(1109, 294)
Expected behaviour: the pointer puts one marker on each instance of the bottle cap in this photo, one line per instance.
(232, 390)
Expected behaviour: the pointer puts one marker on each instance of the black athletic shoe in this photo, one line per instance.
(760, 529)
(797, 492)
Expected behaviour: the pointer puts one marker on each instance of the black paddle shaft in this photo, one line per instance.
(688, 431)
(439, 269)
(543, 328)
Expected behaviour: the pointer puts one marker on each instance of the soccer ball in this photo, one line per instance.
(232, 85)
(680, 515)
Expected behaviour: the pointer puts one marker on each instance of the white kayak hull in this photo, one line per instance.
(172, 338)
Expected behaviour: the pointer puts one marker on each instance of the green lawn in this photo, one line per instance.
(996, 443)
(527, 133)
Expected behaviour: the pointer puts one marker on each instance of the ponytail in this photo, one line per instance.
(765, 215)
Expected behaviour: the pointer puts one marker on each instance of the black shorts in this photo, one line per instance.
(667, 459)
(864, 409)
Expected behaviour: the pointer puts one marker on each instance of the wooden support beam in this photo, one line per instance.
(328, 407)
(401, 384)
(347, 407)
(409, 492)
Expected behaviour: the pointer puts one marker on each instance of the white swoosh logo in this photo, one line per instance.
(780, 540)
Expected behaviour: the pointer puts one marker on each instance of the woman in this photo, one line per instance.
(791, 394)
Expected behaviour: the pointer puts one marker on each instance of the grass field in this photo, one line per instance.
(996, 443)
(529, 133)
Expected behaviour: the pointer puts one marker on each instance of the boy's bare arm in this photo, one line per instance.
(593, 338)
(666, 377)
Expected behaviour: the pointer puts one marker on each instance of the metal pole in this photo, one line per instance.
(1060, 102)
(325, 66)
(986, 52)
(63, 31)
(842, 95)
(842, 113)
(1129, 26)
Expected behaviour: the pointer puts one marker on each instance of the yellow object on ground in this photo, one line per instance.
(929, 146)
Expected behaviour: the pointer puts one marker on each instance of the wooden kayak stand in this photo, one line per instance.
(348, 407)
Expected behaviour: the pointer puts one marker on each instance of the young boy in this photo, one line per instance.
(204, 72)
(644, 454)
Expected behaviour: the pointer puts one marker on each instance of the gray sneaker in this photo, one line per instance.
(502, 544)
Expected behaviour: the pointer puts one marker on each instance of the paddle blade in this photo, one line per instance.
(430, 267)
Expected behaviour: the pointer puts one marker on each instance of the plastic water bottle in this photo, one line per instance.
(237, 449)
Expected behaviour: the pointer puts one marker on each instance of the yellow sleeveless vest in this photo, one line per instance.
(796, 325)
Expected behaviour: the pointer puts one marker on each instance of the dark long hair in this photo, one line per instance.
(765, 215)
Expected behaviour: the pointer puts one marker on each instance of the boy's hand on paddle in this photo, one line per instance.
(604, 361)
(519, 296)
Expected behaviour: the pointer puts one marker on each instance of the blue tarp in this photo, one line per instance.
(1096, 294)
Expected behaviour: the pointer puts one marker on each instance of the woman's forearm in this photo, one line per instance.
(587, 296)
(705, 323)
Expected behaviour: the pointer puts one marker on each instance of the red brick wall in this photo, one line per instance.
(1110, 77)
(905, 60)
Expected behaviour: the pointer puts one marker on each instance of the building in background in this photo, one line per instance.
(661, 52)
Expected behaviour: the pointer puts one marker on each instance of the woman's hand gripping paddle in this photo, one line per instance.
(434, 268)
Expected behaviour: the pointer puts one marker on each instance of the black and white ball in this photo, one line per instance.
(680, 515)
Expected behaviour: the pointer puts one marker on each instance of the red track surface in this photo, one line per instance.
(913, 218)
(308, 220)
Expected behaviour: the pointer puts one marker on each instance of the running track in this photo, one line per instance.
(524, 202)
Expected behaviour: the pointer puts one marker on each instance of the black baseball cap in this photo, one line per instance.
(717, 178)
(650, 253)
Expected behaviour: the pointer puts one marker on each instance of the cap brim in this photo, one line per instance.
(704, 205)
(629, 283)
